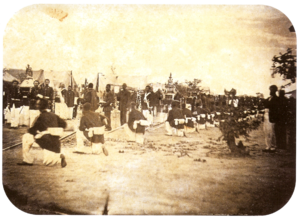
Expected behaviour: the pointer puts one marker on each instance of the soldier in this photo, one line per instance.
(47, 93)
(14, 100)
(108, 105)
(33, 97)
(90, 96)
(189, 119)
(45, 132)
(175, 121)
(91, 128)
(124, 99)
(136, 125)
(70, 96)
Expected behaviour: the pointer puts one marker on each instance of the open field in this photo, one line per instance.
(160, 177)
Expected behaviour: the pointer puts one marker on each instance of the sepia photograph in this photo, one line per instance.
(149, 109)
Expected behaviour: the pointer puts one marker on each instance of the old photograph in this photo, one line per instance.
(112, 109)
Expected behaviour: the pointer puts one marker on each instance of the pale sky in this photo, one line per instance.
(224, 46)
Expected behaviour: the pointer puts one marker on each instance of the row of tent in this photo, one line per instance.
(55, 77)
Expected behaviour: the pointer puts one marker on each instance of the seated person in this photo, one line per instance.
(189, 119)
(92, 126)
(135, 129)
(45, 132)
(175, 120)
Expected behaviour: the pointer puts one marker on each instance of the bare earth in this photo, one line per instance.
(161, 177)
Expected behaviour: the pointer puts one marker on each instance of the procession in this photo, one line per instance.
(93, 138)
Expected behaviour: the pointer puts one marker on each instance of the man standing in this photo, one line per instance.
(45, 132)
(124, 99)
(91, 128)
(280, 126)
(14, 102)
(70, 96)
(76, 101)
(271, 111)
(47, 93)
(109, 100)
(33, 97)
(91, 97)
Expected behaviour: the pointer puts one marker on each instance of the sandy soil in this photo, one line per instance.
(160, 177)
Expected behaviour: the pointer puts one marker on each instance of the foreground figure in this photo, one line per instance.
(92, 129)
(45, 132)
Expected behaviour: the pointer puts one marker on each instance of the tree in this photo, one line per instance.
(285, 65)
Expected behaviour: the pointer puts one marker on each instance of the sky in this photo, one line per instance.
(224, 46)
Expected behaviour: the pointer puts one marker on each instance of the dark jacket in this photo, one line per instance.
(187, 113)
(69, 100)
(109, 98)
(32, 95)
(273, 103)
(45, 120)
(14, 96)
(91, 97)
(91, 119)
(47, 91)
(124, 99)
(175, 113)
(133, 116)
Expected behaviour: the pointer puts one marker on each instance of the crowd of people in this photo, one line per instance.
(184, 114)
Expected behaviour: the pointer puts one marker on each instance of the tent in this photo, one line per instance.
(8, 77)
(58, 77)
(21, 75)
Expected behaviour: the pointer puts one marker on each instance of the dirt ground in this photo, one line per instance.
(158, 178)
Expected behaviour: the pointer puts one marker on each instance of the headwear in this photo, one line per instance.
(91, 85)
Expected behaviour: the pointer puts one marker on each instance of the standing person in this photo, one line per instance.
(33, 97)
(145, 102)
(14, 101)
(280, 127)
(90, 96)
(45, 132)
(124, 99)
(91, 128)
(76, 101)
(70, 96)
(271, 118)
(47, 93)
(136, 125)
(109, 99)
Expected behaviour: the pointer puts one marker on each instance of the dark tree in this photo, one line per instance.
(285, 65)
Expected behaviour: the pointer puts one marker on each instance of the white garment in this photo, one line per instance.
(15, 116)
(173, 131)
(97, 148)
(50, 158)
(269, 131)
(24, 116)
(7, 115)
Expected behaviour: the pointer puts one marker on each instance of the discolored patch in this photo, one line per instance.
(56, 13)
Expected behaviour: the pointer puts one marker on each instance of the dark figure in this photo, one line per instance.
(89, 120)
(91, 97)
(280, 127)
(76, 102)
(187, 114)
(136, 115)
(175, 113)
(108, 105)
(33, 94)
(47, 93)
(70, 96)
(124, 99)
(14, 96)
